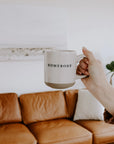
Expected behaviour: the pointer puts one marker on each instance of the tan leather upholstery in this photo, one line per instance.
(60, 131)
(43, 106)
(16, 134)
(9, 108)
(71, 100)
(103, 133)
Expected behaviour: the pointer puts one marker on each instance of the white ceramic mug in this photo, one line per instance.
(60, 68)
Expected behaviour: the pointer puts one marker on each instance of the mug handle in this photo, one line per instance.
(79, 57)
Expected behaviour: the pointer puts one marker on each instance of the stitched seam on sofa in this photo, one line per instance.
(67, 139)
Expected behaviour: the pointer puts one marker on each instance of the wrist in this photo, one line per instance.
(101, 90)
(108, 99)
(104, 92)
(105, 88)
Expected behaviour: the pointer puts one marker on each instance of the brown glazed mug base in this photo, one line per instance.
(59, 86)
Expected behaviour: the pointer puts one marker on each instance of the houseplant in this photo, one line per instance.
(110, 67)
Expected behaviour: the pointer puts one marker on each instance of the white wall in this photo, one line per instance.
(89, 23)
(25, 25)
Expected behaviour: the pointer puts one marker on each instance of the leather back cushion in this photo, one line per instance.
(9, 108)
(71, 97)
(43, 106)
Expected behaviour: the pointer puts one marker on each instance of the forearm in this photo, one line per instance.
(105, 94)
(97, 83)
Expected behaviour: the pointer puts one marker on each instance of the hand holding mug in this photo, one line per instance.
(93, 68)
(82, 68)
(60, 68)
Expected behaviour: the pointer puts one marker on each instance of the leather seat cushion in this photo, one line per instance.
(61, 131)
(16, 134)
(102, 132)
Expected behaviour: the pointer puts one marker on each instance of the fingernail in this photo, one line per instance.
(80, 73)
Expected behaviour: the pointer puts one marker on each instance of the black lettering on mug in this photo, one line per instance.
(57, 65)
(60, 65)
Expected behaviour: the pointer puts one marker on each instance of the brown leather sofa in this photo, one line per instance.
(46, 118)
(12, 130)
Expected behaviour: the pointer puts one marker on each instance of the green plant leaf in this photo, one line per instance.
(112, 64)
(109, 67)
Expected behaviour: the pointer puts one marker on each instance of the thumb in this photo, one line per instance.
(88, 54)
